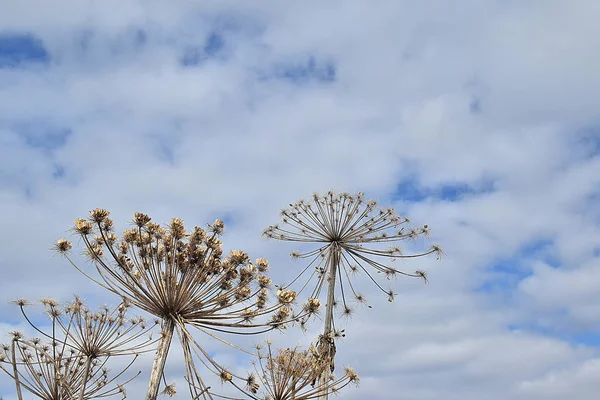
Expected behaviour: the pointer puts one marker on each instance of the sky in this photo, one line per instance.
(478, 118)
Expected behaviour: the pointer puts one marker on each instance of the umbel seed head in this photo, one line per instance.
(349, 236)
(63, 245)
(99, 214)
(183, 278)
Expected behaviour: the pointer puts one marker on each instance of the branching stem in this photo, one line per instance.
(333, 266)
(15, 370)
(86, 376)
(160, 358)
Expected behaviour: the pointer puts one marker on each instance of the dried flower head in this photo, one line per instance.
(141, 219)
(99, 214)
(286, 296)
(312, 306)
(69, 361)
(183, 278)
(63, 245)
(287, 374)
(169, 390)
(226, 376)
(351, 235)
(349, 232)
(21, 302)
(82, 226)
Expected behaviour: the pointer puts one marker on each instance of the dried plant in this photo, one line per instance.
(291, 374)
(350, 234)
(70, 361)
(182, 278)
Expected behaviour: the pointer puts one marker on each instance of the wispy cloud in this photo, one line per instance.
(305, 71)
(194, 55)
(479, 120)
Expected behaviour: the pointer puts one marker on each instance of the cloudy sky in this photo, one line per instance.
(478, 118)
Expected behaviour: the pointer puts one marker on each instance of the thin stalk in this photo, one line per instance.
(160, 358)
(333, 266)
(15, 370)
(54, 360)
(86, 375)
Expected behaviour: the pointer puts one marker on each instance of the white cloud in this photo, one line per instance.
(225, 138)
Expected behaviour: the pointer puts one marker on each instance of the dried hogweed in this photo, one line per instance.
(183, 278)
(292, 374)
(69, 362)
(351, 236)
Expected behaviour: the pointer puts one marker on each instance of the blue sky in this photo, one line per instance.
(478, 120)
(18, 50)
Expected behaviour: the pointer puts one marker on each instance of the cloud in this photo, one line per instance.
(478, 120)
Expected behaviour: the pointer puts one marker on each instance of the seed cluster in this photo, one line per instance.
(350, 235)
(355, 231)
(293, 374)
(182, 277)
(69, 362)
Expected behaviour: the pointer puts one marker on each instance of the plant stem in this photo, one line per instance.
(333, 266)
(86, 375)
(160, 358)
(15, 370)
